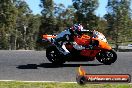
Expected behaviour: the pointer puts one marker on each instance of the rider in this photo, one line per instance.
(68, 36)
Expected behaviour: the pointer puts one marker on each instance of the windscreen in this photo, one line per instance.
(99, 35)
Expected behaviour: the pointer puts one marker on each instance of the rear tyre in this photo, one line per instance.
(54, 56)
(107, 57)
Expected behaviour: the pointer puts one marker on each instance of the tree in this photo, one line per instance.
(8, 14)
(18, 26)
(22, 27)
(33, 30)
(64, 16)
(48, 21)
(69, 16)
(102, 25)
(118, 18)
(85, 13)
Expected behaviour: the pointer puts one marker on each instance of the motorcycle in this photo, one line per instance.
(101, 50)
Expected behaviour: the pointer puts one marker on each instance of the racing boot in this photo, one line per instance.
(65, 52)
(61, 47)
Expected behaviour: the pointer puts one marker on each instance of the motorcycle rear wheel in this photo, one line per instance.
(107, 57)
(54, 56)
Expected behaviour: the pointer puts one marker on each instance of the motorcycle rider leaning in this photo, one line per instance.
(68, 36)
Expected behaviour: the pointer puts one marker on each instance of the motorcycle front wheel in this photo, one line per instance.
(107, 57)
(54, 56)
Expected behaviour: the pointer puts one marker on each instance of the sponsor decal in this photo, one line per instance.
(83, 77)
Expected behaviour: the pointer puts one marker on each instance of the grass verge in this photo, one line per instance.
(14, 84)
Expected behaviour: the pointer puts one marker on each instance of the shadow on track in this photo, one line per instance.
(50, 65)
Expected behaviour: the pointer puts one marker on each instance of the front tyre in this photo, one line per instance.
(54, 56)
(107, 57)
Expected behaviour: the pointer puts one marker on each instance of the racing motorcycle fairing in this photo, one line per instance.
(102, 51)
(48, 38)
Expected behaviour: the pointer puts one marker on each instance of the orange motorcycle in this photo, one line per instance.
(101, 50)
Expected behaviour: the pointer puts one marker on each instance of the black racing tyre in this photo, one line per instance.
(107, 57)
(54, 56)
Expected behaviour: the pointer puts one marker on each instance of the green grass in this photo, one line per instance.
(13, 84)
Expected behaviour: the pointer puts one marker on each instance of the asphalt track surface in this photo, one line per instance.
(33, 66)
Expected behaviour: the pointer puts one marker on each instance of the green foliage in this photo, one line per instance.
(4, 44)
(48, 20)
(119, 20)
(20, 29)
(8, 14)
(85, 13)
